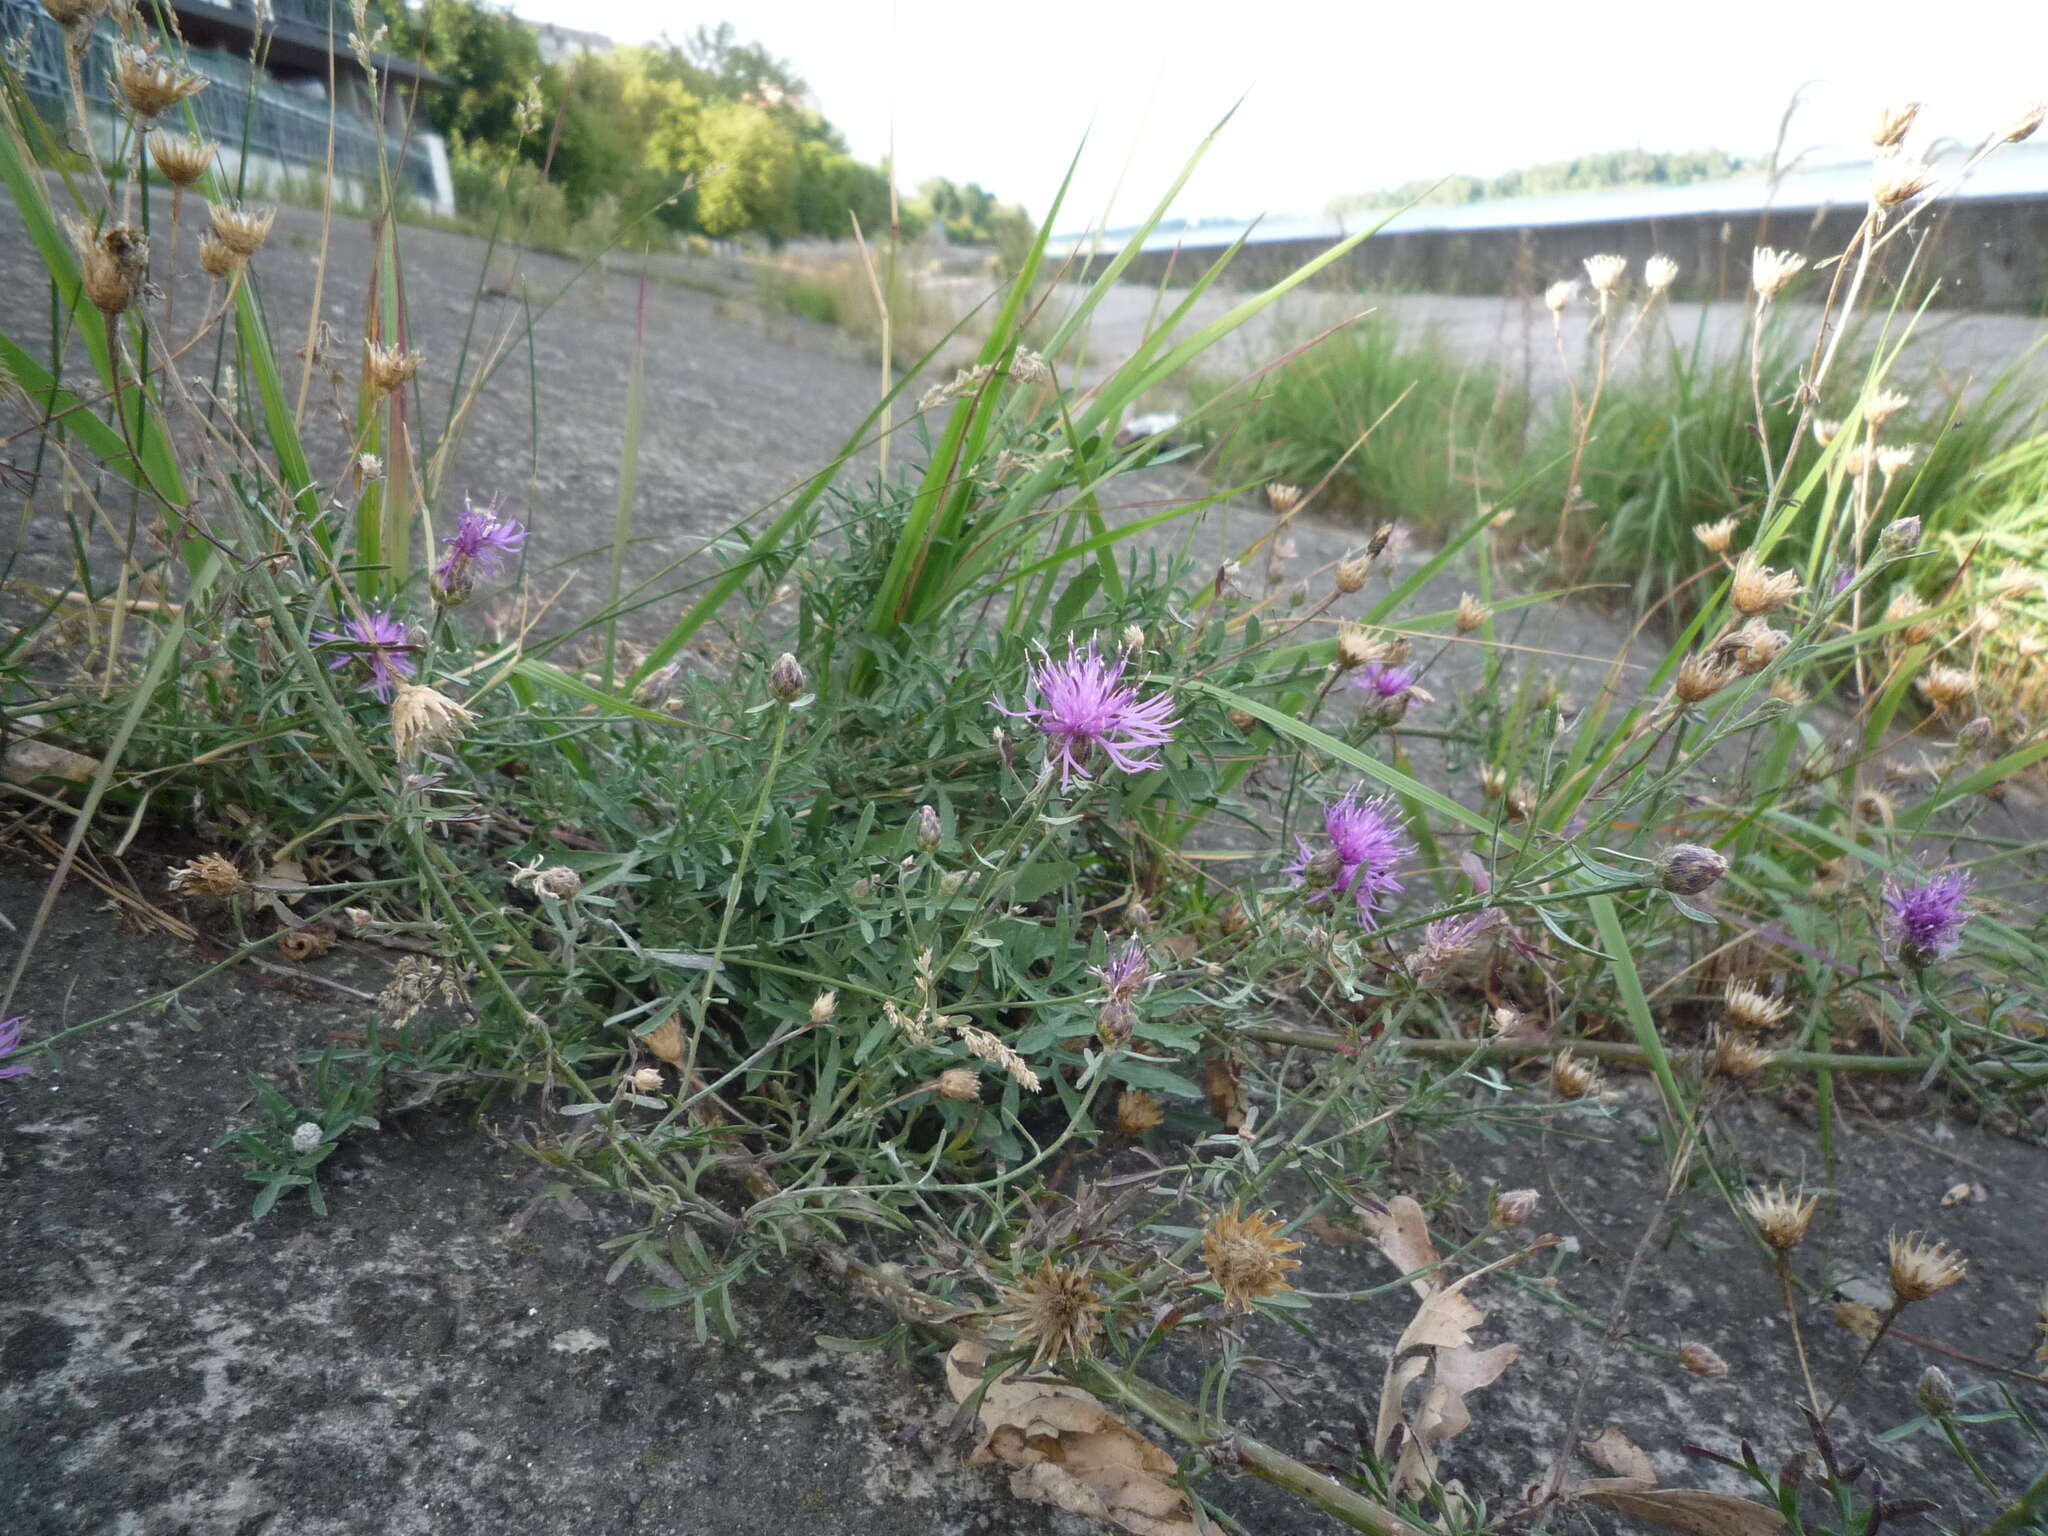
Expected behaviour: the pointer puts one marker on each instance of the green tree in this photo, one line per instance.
(750, 174)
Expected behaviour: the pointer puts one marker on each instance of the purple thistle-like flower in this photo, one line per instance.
(1367, 841)
(1383, 680)
(10, 1039)
(1926, 921)
(479, 546)
(1126, 972)
(379, 639)
(1084, 706)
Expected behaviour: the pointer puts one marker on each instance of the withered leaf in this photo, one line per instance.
(1067, 1450)
(28, 760)
(1324, 1230)
(1695, 1511)
(1613, 1451)
(666, 1041)
(1402, 1232)
(1223, 1087)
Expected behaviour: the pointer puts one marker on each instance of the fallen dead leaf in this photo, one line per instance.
(1067, 1450)
(1324, 1230)
(1223, 1087)
(1402, 1232)
(29, 760)
(1613, 1451)
(1694, 1511)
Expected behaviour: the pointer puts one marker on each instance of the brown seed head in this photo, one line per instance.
(1605, 272)
(388, 369)
(1522, 799)
(217, 258)
(960, 1084)
(824, 1008)
(1351, 573)
(1770, 270)
(1354, 649)
(151, 83)
(183, 158)
(1780, 1216)
(1750, 1008)
(1137, 1112)
(1471, 613)
(72, 14)
(1920, 1267)
(1659, 273)
(2019, 129)
(1892, 123)
(1247, 1256)
(1512, 1207)
(1054, 1312)
(1702, 1361)
(1897, 176)
(242, 230)
(1571, 1078)
(307, 943)
(1283, 498)
(1825, 432)
(1716, 536)
(1701, 677)
(208, 875)
(1752, 647)
(1493, 781)
(1559, 295)
(646, 1080)
(425, 717)
(113, 264)
(1909, 612)
(1946, 687)
(1785, 691)
(1734, 1056)
(1758, 589)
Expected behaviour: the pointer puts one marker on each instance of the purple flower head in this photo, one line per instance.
(1366, 841)
(1382, 680)
(379, 639)
(1126, 973)
(1084, 706)
(479, 546)
(10, 1038)
(1926, 921)
(1842, 579)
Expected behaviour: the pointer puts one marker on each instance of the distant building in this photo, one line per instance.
(561, 43)
(284, 106)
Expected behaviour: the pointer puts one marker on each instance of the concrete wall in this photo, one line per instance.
(1988, 253)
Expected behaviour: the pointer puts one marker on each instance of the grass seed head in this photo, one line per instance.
(1781, 1217)
(1751, 1008)
(74, 14)
(1246, 1256)
(1920, 1267)
(1770, 270)
(1757, 589)
(183, 158)
(151, 83)
(1572, 1078)
(208, 875)
(1892, 123)
(1702, 1361)
(1055, 1312)
(242, 230)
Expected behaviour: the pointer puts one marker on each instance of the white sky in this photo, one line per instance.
(1343, 97)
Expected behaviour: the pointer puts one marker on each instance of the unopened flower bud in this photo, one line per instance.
(1512, 1207)
(1972, 736)
(824, 1007)
(1686, 869)
(1321, 872)
(1937, 1394)
(1900, 537)
(786, 678)
(928, 831)
(1471, 613)
(647, 1080)
(1134, 637)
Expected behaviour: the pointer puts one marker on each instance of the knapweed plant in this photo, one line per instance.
(964, 842)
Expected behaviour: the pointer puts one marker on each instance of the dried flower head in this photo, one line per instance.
(1770, 270)
(1471, 614)
(1351, 573)
(1946, 687)
(1785, 691)
(183, 158)
(1701, 677)
(1605, 272)
(1716, 536)
(1752, 647)
(960, 1084)
(1137, 1112)
(217, 258)
(422, 718)
(1522, 799)
(1493, 781)
(1702, 1361)
(557, 882)
(1826, 431)
(1919, 1267)
(1659, 273)
(1751, 1008)
(72, 14)
(1354, 645)
(377, 639)
(1365, 840)
(208, 875)
(646, 1080)
(1571, 1077)
(1283, 498)
(2020, 129)
(1512, 1207)
(1781, 1217)
(1560, 294)
(1055, 1312)
(388, 369)
(1896, 176)
(1758, 589)
(1883, 406)
(242, 230)
(1926, 921)
(1910, 614)
(1686, 869)
(1085, 709)
(1134, 638)
(1734, 1056)
(824, 1009)
(1247, 1256)
(113, 264)
(1892, 123)
(151, 83)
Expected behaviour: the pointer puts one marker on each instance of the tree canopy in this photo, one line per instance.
(1607, 168)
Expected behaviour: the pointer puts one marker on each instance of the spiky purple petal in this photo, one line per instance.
(1368, 840)
(1084, 707)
